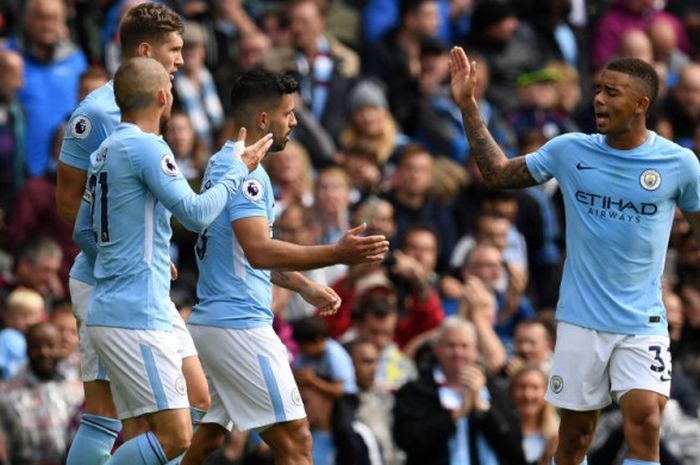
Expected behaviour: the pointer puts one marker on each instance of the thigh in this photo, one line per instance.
(579, 378)
(144, 368)
(90, 367)
(250, 372)
(641, 362)
(185, 345)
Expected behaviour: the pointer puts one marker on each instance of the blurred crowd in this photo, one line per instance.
(453, 332)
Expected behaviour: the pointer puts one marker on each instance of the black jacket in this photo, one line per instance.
(422, 427)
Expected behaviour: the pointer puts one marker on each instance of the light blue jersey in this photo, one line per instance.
(90, 124)
(619, 210)
(231, 293)
(133, 185)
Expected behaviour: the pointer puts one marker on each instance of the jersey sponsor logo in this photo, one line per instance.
(613, 208)
(581, 167)
(650, 179)
(252, 190)
(81, 127)
(556, 384)
(168, 165)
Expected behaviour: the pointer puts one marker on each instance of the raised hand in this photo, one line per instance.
(462, 77)
(353, 248)
(252, 155)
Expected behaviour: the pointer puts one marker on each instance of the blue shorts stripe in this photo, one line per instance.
(272, 388)
(101, 372)
(153, 378)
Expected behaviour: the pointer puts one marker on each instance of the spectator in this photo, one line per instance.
(23, 309)
(12, 129)
(36, 267)
(371, 124)
(291, 174)
(332, 210)
(362, 167)
(413, 270)
(190, 149)
(52, 68)
(664, 39)
(377, 321)
(374, 404)
(37, 406)
(507, 46)
(635, 43)
(537, 97)
(683, 105)
(626, 15)
(296, 225)
(379, 216)
(337, 438)
(323, 364)
(538, 420)
(90, 80)
(486, 263)
(496, 230)
(323, 63)
(414, 202)
(64, 320)
(453, 413)
(35, 214)
(395, 59)
(533, 345)
(194, 86)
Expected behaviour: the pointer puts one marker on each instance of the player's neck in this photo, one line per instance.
(147, 122)
(627, 140)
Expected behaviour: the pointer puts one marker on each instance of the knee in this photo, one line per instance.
(576, 438)
(644, 423)
(175, 443)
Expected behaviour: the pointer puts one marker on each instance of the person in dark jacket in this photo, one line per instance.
(452, 413)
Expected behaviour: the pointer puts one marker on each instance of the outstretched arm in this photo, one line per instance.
(498, 171)
(264, 252)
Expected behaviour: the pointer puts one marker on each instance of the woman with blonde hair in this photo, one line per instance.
(538, 419)
(371, 125)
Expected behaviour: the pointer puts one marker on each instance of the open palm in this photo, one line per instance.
(462, 77)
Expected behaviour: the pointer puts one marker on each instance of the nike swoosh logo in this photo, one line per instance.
(664, 379)
(581, 167)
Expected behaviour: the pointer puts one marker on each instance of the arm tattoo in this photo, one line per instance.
(498, 171)
(279, 277)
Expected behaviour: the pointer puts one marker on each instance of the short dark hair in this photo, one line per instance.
(258, 86)
(148, 22)
(638, 69)
(309, 329)
(377, 306)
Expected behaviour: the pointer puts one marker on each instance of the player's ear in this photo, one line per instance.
(262, 121)
(144, 49)
(643, 104)
(162, 96)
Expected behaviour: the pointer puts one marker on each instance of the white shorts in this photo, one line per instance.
(144, 369)
(250, 381)
(91, 369)
(589, 366)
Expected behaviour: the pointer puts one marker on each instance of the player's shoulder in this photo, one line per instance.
(98, 109)
(666, 147)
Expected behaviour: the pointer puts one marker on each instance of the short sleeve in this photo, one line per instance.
(543, 164)
(83, 135)
(154, 163)
(250, 200)
(689, 186)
